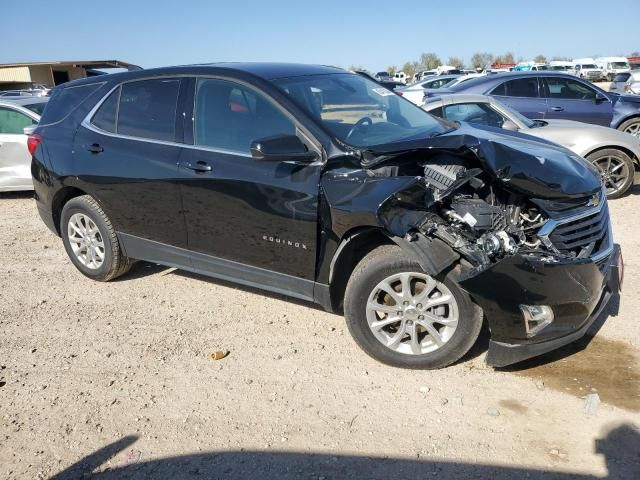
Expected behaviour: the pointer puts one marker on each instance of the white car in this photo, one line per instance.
(614, 153)
(463, 78)
(415, 92)
(16, 115)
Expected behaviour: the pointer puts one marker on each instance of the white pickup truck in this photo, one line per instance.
(587, 69)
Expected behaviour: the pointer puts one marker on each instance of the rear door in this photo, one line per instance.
(126, 154)
(523, 95)
(15, 161)
(573, 99)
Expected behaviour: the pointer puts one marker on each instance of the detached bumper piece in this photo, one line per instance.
(576, 291)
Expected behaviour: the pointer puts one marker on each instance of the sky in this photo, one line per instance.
(372, 34)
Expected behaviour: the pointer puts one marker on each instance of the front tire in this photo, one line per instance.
(405, 318)
(90, 240)
(631, 126)
(616, 170)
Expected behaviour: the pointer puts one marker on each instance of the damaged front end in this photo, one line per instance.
(529, 223)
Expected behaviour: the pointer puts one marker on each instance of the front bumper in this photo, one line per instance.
(577, 291)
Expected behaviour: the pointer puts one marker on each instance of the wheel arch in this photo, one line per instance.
(432, 254)
(632, 116)
(61, 197)
(631, 154)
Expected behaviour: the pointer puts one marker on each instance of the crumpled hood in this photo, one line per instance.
(523, 163)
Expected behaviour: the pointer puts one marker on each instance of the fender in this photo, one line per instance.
(432, 254)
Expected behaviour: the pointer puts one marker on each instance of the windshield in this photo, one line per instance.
(357, 111)
(36, 107)
(619, 65)
(517, 115)
(589, 65)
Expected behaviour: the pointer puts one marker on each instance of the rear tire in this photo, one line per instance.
(393, 343)
(90, 240)
(616, 170)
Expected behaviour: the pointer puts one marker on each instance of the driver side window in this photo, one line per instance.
(230, 116)
(567, 88)
(476, 113)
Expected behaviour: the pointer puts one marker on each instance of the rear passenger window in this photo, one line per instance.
(148, 109)
(521, 87)
(105, 117)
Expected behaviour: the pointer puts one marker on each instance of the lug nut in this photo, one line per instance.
(420, 317)
(419, 305)
(405, 303)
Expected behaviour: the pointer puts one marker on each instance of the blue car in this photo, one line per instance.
(549, 95)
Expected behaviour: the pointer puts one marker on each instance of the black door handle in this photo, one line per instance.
(557, 109)
(199, 166)
(95, 148)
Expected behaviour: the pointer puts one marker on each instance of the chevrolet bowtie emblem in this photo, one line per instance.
(593, 201)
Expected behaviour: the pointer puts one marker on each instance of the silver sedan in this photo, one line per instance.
(15, 161)
(616, 154)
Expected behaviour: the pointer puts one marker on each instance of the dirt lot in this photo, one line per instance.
(116, 378)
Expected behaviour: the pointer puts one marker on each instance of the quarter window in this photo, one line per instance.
(230, 116)
(521, 87)
(569, 89)
(147, 109)
(105, 117)
(13, 122)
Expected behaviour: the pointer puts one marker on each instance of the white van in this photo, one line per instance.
(560, 65)
(587, 69)
(611, 66)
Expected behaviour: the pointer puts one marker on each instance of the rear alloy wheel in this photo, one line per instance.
(631, 126)
(616, 170)
(91, 241)
(401, 316)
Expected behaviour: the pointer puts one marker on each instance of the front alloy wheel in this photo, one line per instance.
(616, 170)
(401, 316)
(411, 313)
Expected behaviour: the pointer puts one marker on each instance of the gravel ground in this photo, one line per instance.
(117, 379)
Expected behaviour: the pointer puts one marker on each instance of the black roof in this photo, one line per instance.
(264, 70)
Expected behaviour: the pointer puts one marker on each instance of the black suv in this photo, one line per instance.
(322, 185)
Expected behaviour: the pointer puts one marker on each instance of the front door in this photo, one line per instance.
(571, 99)
(127, 156)
(248, 212)
(15, 160)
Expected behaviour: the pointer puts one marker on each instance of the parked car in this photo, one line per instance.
(552, 95)
(36, 91)
(390, 84)
(618, 83)
(462, 78)
(530, 67)
(587, 69)
(615, 154)
(319, 184)
(611, 66)
(15, 160)
(383, 76)
(400, 77)
(632, 86)
(415, 93)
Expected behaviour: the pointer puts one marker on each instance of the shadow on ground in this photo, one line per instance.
(619, 447)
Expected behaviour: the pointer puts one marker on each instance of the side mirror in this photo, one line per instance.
(509, 125)
(30, 129)
(280, 148)
(600, 98)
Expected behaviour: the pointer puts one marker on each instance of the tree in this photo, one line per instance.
(480, 61)
(561, 59)
(508, 58)
(540, 59)
(391, 69)
(356, 68)
(455, 62)
(410, 68)
(429, 61)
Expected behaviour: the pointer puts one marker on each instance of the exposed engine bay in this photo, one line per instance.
(482, 218)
